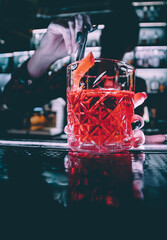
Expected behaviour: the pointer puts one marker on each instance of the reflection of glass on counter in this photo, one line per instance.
(138, 174)
(112, 180)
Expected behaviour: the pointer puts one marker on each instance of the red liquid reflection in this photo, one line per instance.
(104, 180)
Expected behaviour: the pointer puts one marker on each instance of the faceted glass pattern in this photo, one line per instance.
(100, 120)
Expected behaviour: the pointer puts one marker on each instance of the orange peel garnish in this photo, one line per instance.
(84, 65)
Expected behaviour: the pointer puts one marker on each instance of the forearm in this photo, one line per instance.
(20, 90)
(23, 93)
(29, 85)
(39, 63)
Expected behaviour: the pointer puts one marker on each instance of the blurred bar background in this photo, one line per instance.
(23, 23)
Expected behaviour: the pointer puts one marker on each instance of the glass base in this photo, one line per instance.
(105, 148)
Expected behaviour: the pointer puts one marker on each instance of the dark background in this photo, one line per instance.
(19, 17)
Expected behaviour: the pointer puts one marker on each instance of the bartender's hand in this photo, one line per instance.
(59, 41)
(138, 135)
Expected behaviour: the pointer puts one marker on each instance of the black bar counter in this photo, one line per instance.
(44, 180)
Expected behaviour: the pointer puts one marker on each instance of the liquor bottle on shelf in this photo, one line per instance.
(162, 56)
(161, 87)
(156, 39)
(145, 13)
(138, 59)
(153, 115)
(155, 58)
(153, 13)
(143, 38)
(154, 85)
(145, 60)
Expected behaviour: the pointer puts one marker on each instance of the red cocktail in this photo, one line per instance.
(100, 117)
(100, 106)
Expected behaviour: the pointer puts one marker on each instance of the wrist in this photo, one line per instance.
(39, 63)
(24, 77)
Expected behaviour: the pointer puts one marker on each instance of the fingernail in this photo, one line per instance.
(145, 94)
(79, 15)
(79, 35)
(66, 129)
(136, 125)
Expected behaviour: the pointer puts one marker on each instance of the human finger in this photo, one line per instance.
(66, 33)
(74, 44)
(159, 138)
(137, 122)
(61, 27)
(87, 22)
(78, 26)
(138, 138)
(139, 98)
(82, 22)
(66, 129)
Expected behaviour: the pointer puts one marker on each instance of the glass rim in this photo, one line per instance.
(130, 67)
